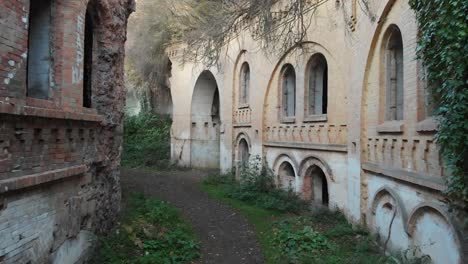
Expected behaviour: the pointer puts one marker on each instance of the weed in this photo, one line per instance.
(257, 187)
(152, 232)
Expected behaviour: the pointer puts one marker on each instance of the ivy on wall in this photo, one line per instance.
(443, 46)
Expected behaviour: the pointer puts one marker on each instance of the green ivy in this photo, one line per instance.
(443, 46)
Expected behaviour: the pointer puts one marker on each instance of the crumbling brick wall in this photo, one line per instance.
(59, 160)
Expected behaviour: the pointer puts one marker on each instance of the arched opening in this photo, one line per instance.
(205, 119)
(39, 58)
(244, 84)
(88, 56)
(393, 60)
(244, 155)
(317, 186)
(286, 176)
(288, 82)
(318, 85)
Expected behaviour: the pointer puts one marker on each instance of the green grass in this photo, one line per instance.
(320, 236)
(151, 231)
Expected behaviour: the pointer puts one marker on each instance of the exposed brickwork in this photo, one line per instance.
(59, 161)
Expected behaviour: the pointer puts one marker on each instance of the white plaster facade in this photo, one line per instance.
(374, 169)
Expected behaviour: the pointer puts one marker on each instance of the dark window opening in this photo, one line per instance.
(88, 59)
(324, 190)
(325, 91)
(39, 58)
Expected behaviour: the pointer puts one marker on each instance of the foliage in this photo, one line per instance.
(298, 243)
(258, 188)
(152, 232)
(146, 141)
(443, 45)
(320, 236)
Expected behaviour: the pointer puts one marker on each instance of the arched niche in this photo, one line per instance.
(285, 170)
(388, 216)
(286, 176)
(435, 234)
(242, 153)
(205, 123)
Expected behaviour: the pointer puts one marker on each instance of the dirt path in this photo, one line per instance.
(226, 236)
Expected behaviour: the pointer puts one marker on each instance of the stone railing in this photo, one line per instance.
(311, 133)
(419, 155)
(243, 116)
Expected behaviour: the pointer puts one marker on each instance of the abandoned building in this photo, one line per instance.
(342, 119)
(61, 107)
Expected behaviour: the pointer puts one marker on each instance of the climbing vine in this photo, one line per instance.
(443, 47)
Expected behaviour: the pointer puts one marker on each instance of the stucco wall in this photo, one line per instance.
(352, 144)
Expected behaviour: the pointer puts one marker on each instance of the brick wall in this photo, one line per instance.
(59, 161)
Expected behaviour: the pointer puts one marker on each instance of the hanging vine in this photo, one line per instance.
(443, 46)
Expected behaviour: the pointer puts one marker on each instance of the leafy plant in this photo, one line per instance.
(443, 45)
(152, 232)
(296, 244)
(146, 141)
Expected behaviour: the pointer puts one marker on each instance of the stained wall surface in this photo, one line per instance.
(375, 169)
(59, 158)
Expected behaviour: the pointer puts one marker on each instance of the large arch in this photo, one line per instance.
(444, 243)
(205, 123)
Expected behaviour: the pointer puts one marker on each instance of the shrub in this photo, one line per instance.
(146, 141)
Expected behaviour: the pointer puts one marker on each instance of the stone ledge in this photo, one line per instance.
(12, 109)
(288, 120)
(427, 125)
(431, 182)
(32, 180)
(391, 127)
(315, 118)
(308, 146)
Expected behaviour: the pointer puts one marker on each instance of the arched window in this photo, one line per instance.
(318, 85)
(244, 84)
(88, 55)
(39, 57)
(393, 74)
(289, 91)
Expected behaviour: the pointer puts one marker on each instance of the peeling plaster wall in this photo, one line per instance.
(357, 150)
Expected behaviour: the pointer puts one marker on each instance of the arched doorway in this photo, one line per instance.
(243, 156)
(316, 186)
(286, 176)
(205, 123)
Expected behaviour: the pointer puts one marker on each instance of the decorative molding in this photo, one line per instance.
(315, 118)
(308, 146)
(32, 180)
(391, 127)
(434, 183)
